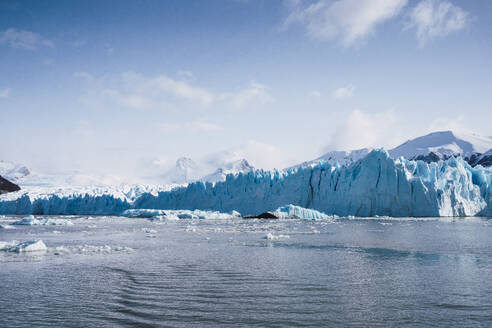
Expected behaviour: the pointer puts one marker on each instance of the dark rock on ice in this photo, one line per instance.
(7, 186)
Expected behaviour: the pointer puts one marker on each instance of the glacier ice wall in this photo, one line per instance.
(375, 185)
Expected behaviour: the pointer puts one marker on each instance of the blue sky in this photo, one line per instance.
(116, 87)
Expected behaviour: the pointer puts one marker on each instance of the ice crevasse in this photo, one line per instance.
(375, 185)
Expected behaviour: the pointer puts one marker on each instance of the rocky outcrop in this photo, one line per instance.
(7, 186)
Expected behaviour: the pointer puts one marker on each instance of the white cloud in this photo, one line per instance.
(78, 43)
(195, 126)
(48, 61)
(109, 51)
(436, 18)
(182, 89)
(128, 100)
(344, 92)
(21, 39)
(187, 75)
(83, 75)
(134, 90)
(254, 94)
(360, 130)
(315, 94)
(5, 93)
(258, 154)
(456, 124)
(350, 21)
(83, 129)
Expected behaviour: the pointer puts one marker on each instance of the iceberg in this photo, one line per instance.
(296, 212)
(27, 246)
(291, 212)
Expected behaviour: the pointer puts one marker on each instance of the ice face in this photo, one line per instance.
(375, 185)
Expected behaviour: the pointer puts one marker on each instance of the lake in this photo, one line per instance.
(120, 272)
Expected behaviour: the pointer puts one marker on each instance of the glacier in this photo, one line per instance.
(374, 185)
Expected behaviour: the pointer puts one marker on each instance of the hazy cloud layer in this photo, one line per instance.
(344, 92)
(436, 18)
(22, 39)
(349, 21)
(134, 90)
(5, 93)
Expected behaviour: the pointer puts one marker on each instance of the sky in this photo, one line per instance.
(127, 87)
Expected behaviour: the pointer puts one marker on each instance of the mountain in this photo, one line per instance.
(476, 150)
(185, 170)
(13, 171)
(342, 157)
(443, 144)
(484, 159)
(7, 186)
(236, 167)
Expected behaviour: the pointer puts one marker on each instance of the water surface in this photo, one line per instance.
(119, 272)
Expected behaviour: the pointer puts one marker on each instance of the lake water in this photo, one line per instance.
(119, 272)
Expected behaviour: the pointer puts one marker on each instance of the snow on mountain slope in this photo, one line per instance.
(444, 144)
(341, 157)
(430, 148)
(375, 185)
(13, 171)
(186, 170)
(484, 159)
(234, 168)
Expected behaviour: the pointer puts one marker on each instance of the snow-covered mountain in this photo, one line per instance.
(13, 171)
(484, 159)
(236, 167)
(187, 170)
(341, 157)
(476, 150)
(443, 144)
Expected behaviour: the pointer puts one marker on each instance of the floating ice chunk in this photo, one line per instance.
(297, 212)
(27, 246)
(90, 249)
(31, 220)
(6, 226)
(291, 212)
(271, 236)
(143, 213)
(178, 214)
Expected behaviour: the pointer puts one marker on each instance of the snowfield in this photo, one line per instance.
(375, 185)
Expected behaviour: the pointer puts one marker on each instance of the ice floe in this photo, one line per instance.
(21, 247)
(178, 214)
(31, 221)
(271, 236)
